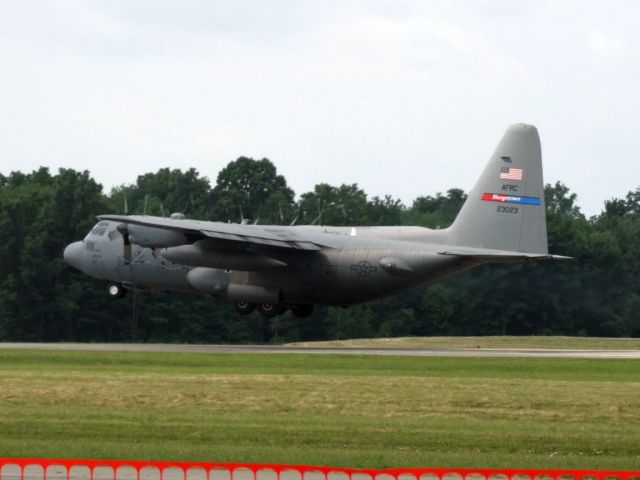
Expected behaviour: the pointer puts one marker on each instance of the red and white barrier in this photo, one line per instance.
(66, 469)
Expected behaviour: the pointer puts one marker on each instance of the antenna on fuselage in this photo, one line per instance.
(318, 219)
(243, 221)
(295, 219)
(185, 210)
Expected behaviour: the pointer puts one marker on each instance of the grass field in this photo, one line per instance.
(343, 410)
(582, 343)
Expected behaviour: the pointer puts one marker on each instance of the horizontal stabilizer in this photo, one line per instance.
(499, 256)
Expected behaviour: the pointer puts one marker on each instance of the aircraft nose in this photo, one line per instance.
(74, 254)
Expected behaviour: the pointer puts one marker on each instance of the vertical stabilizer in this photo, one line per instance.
(505, 210)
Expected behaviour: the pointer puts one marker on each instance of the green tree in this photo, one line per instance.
(337, 206)
(164, 192)
(252, 190)
(437, 211)
(40, 296)
(385, 211)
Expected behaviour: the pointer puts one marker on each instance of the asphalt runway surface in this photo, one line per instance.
(419, 352)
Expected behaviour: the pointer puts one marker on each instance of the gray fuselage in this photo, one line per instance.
(358, 265)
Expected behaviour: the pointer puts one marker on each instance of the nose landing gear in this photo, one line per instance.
(115, 290)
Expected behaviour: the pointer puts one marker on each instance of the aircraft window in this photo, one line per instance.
(100, 229)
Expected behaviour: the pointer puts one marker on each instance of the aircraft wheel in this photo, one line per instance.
(115, 290)
(243, 308)
(269, 310)
(302, 311)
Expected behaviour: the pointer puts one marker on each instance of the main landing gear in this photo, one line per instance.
(269, 310)
(244, 308)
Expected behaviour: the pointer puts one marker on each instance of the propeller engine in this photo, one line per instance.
(151, 237)
(148, 237)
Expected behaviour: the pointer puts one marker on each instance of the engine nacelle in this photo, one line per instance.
(155, 237)
(203, 254)
(215, 281)
(209, 280)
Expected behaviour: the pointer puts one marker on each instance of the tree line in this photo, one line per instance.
(43, 299)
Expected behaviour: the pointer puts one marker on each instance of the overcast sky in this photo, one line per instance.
(405, 98)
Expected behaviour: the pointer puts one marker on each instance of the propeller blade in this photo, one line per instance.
(127, 253)
(124, 231)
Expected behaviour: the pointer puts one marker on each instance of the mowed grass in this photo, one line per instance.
(358, 411)
(580, 343)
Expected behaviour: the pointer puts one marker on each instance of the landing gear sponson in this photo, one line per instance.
(267, 310)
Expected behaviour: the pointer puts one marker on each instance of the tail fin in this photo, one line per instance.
(505, 210)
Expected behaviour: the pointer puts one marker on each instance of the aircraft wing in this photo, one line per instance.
(234, 234)
(500, 256)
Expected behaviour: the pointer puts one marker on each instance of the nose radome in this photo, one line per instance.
(74, 254)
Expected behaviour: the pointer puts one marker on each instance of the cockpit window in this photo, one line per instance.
(100, 229)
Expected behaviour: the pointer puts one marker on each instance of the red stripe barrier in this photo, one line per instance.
(67, 469)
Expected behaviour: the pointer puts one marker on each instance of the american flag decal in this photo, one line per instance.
(510, 173)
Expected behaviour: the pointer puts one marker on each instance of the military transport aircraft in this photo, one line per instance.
(275, 268)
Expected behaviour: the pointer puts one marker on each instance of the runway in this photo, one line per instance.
(418, 352)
